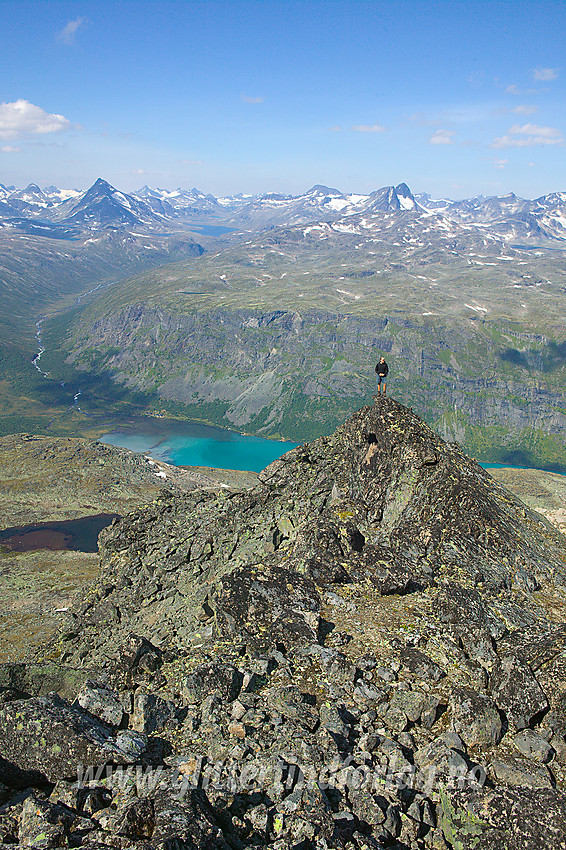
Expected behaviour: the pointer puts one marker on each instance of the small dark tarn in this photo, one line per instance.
(77, 535)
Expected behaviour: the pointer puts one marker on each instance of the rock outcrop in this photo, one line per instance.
(366, 650)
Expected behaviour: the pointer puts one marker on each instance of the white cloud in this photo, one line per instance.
(441, 137)
(527, 136)
(500, 163)
(525, 109)
(67, 34)
(335, 129)
(535, 129)
(22, 118)
(508, 142)
(513, 89)
(247, 99)
(9, 149)
(545, 74)
(367, 128)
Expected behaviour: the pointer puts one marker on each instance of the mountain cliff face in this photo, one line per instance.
(366, 650)
(297, 374)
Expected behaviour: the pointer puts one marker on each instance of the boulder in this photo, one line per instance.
(45, 825)
(475, 718)
(521, 772)
(517, 692)
(53, 739)
(267, 605)
(224, 680)
(533, 746)
(152, 714)
(101, 702)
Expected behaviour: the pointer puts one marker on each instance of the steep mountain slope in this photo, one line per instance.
(40, 266)
(45, 268)
(366, 650)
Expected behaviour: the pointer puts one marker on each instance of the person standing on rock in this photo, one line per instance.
(382, 369)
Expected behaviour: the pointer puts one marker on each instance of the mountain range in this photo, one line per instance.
(261, 312)
(101, 206)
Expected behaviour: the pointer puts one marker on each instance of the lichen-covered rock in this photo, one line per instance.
(44, 825)
(533, 746)
(475, 718)
(266, 605)
(221, 679)
(512, 818)
(102, 702)
(521, 772)
(517, 692)
(186, 822)
(443, 758)
(53, 739)
(152, 714)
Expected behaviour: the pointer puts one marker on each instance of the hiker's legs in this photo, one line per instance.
(384, 387)
(379, 379)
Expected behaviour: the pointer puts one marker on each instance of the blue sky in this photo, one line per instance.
(455, 99)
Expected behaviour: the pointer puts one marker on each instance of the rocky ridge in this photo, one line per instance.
(50, 478)
(366, 650)
(46, 479)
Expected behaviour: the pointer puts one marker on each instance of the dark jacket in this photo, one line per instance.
(382, 368)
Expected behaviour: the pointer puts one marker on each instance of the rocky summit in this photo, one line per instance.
(365, 650)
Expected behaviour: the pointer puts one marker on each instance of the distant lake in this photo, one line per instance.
(194, 444)
(211, 229)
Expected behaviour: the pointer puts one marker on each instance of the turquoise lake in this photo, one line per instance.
(194, 444)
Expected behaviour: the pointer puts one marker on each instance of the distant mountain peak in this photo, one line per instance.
(100, 183)
(392, 199)
(319, 189)
(274, 196)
